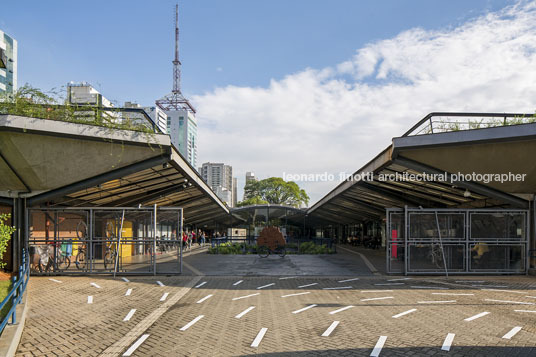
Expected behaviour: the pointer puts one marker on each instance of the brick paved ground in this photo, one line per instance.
(61, 322)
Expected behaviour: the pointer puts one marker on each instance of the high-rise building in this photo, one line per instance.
(8, 64)
(220, 178)
(250, 176)
(157, 115)
(83, 93)
(235, 193)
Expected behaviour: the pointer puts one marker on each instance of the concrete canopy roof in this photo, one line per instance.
(491, 150)
(71, 164)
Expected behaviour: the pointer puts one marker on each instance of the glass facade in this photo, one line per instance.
(8, 64)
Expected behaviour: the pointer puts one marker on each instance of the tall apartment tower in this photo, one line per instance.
(250, 176)
(220, 178)
(8, 64)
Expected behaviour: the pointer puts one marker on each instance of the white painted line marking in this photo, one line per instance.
(347, 280)
(164, 297)
(455, 294)
(238, 282)
(160, 283)
(205, 298)
(265, 286)
(532, 297)
(470, 281)
(135, 346)
(376, 291)
(448, 342)
(288, 277)
(379, 345)
(378, 298)
(259, 337)
(129, 315)
(90, 299)
(428, 287)
(477, 316)
(129, 291)
(284, 296)
(95, 285)
(244, 312)
(390, 284)
(246, 296)
(506, 291)
(330, 329)
(191, 323)
(512, 332)
(403, 313)
(435, 302)
(511, 302)
(489, 286)
(399, 279)
(525, 311)
(304, 286)
(341, 309)
(338, 288)
(304, 309)
(126, 280)
(200, 285)
(54, 280)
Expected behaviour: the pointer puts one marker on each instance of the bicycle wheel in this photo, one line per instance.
(81, 260)
(281, 251)
(64, 262)
(109, 260)
(263, 251)
(81, 230)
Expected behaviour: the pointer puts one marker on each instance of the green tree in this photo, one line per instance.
(274, 190)
(5, 235)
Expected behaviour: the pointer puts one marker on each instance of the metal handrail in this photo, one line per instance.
(15, 295)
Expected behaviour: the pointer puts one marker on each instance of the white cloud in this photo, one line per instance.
(318, 120)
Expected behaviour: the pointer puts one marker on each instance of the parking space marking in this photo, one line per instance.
(259, 337)
(477, 316)
(435, 301)
(284, 296)
(191, 323)
(330, 329)
(428, 287)
(380, 284)
(399, 279)
(338, 288)
(129, 291)
(54, 280)
(164, 297)
(525, 311)
(135, 346)
(304, 309)
(376, 291)
(304, 286)
(379, 345)
(347, 280)
(448, 342)
(205, 298)
(378, 298)
(511, 302)
(238, 282)
(200, 285)
(532, 297)
(126, 280)
(341, 309)
(95, 285)
(129, 315)
(265, 286)
(454, 294)
(470, 281)
(512, 332)
(489, 286)
(245, 296)
(403, 313)
(90, 299)
(244, 312)
(159, 283)
(506, 291)
(287, 277)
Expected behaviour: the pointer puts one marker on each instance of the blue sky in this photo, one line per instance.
(289, 87)
(125, 47)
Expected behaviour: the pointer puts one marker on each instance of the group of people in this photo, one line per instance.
(200, 237)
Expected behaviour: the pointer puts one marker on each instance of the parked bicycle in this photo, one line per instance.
(110, 249)
(81, 256)
(265, 251)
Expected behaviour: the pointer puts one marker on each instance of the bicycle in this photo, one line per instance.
(265, 251)
(110, 251)
(81, 256)
(436, 255)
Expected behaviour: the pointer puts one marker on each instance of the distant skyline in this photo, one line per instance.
(288, 86)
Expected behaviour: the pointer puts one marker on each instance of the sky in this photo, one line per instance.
(302, 87)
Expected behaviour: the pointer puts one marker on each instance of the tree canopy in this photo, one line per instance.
(274, 190)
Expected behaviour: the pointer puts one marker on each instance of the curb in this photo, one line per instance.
(10, 338)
